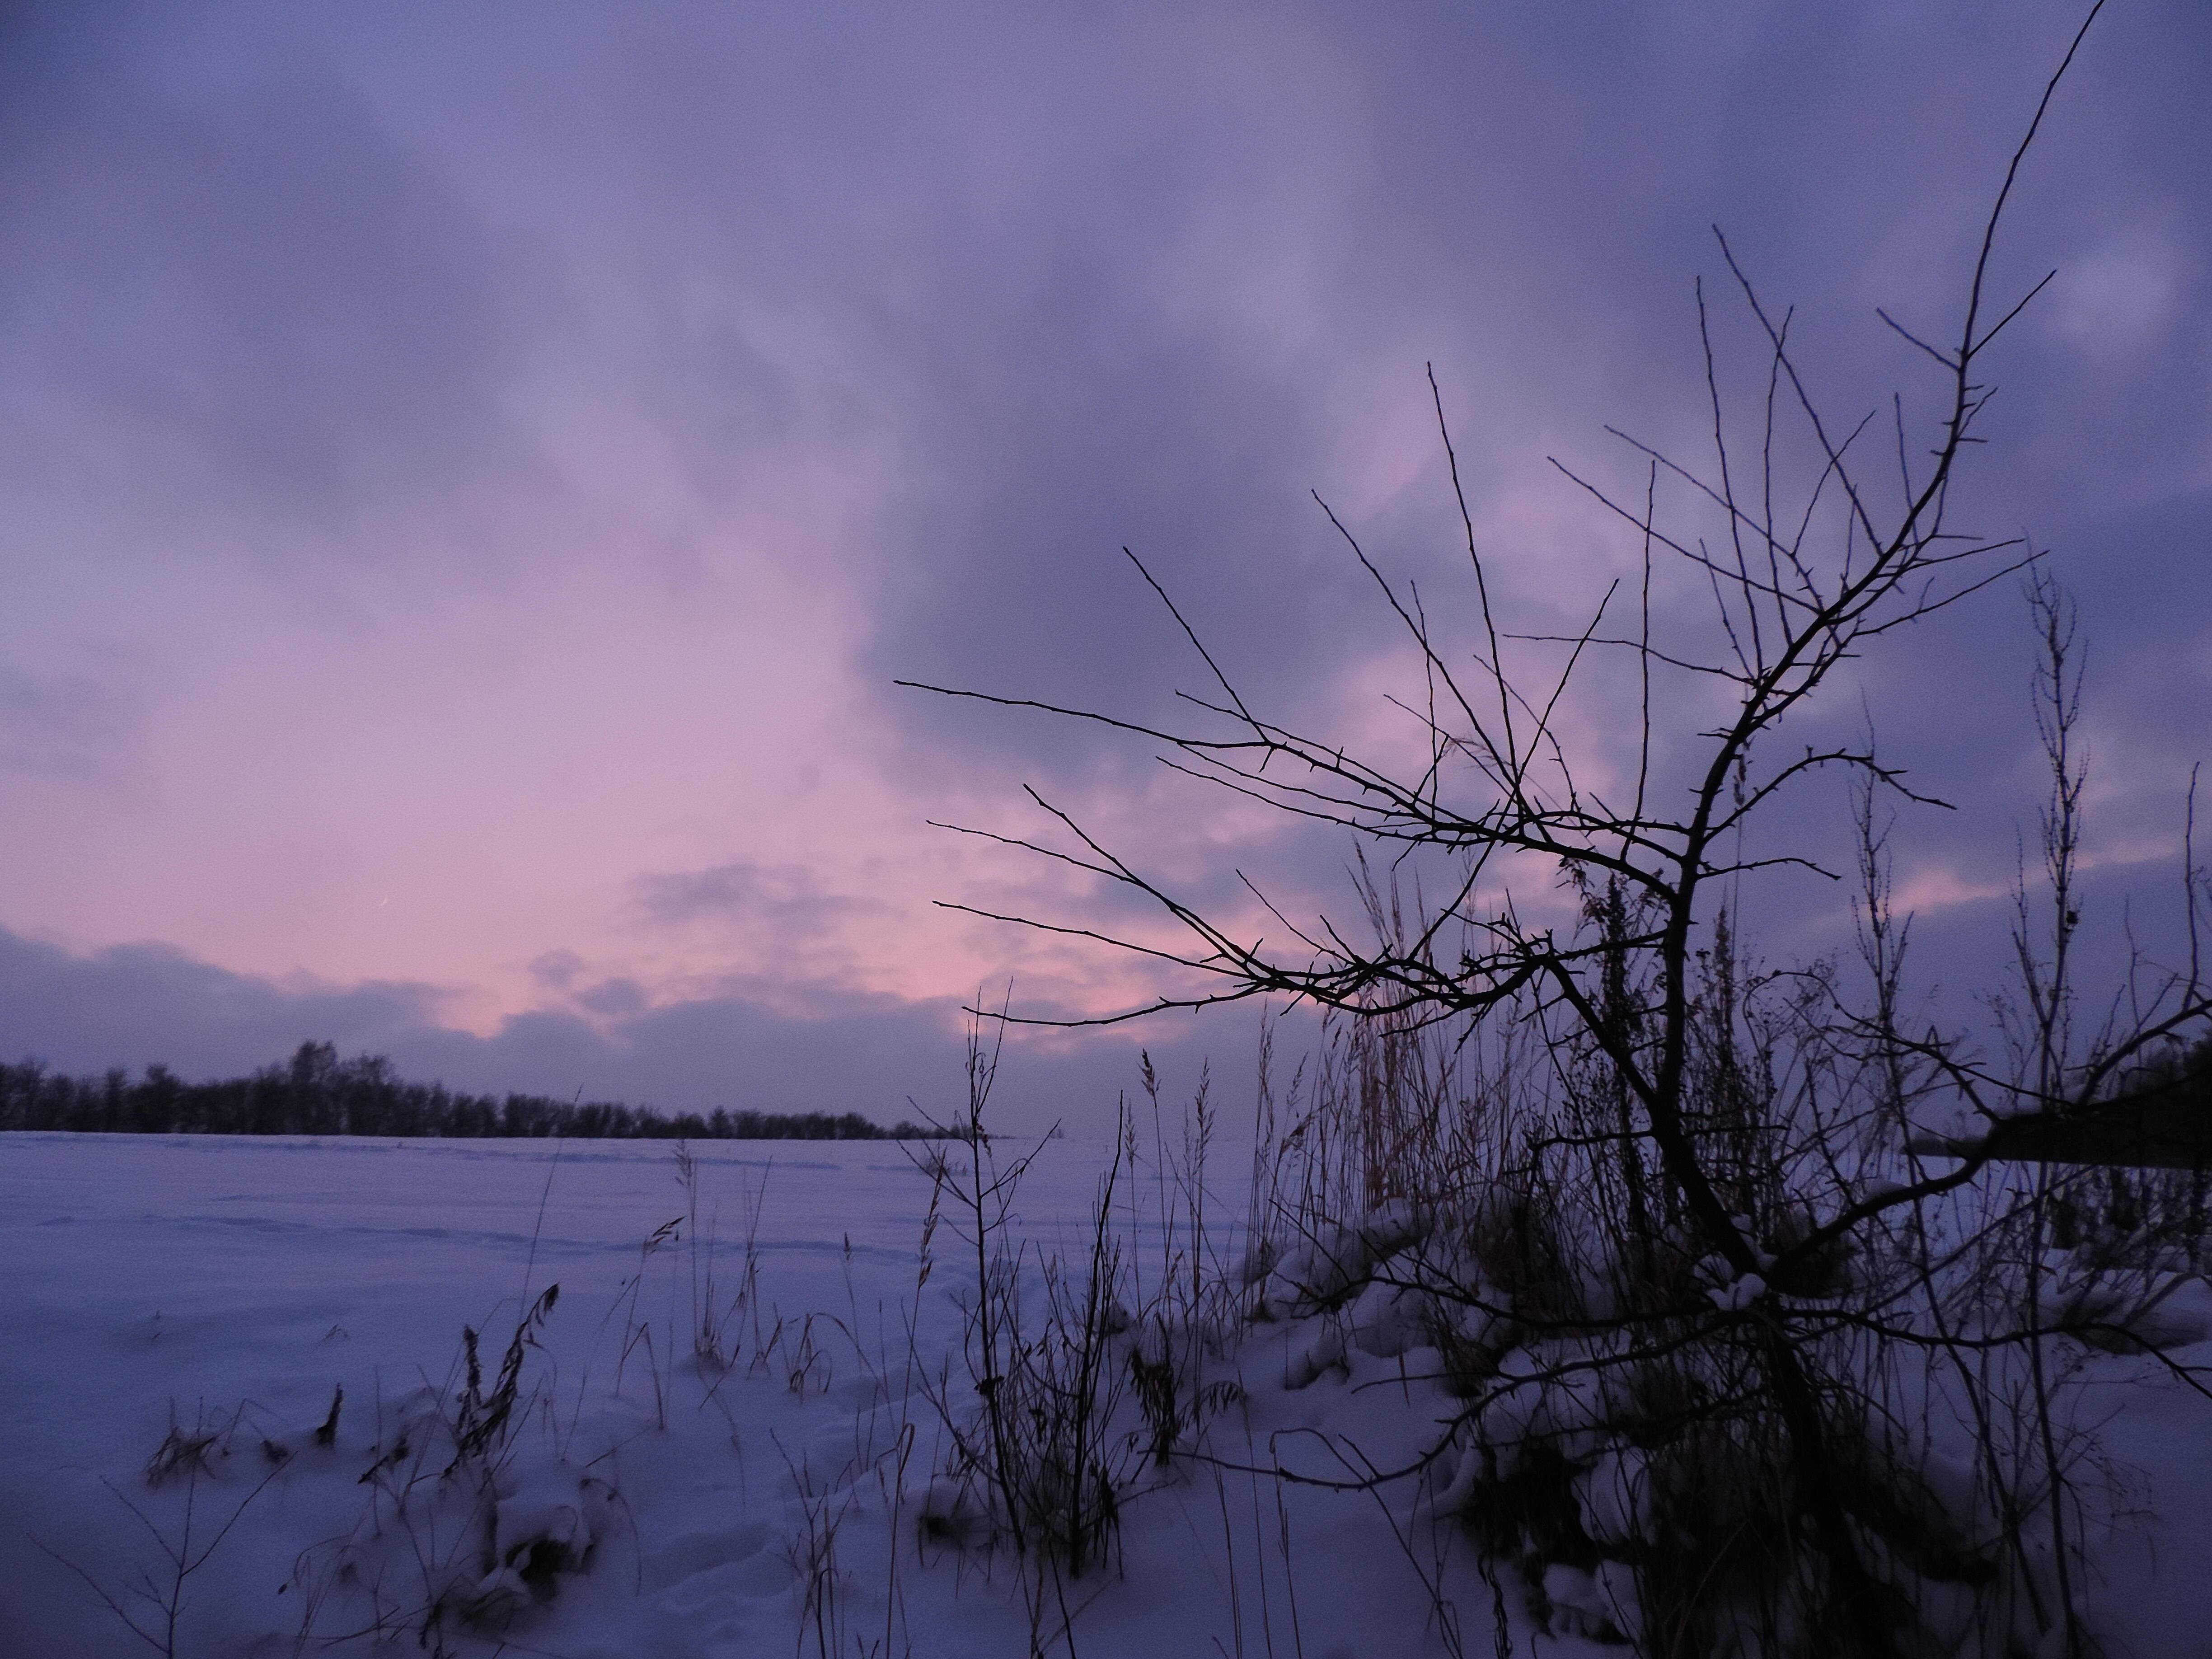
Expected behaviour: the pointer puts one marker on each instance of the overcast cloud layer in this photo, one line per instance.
(473, 474)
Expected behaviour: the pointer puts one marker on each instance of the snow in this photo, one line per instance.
(211, 1296)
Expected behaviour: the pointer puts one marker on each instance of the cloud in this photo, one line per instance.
(264, 303)
(134, 1006)
(780, 898)
(518, 455)
(2115, 299)
(72, 727)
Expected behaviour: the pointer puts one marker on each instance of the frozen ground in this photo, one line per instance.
(238, 1282)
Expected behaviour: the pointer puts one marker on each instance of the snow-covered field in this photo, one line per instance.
(233, 1285)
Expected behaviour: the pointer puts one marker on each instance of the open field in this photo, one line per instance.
(230, 1287)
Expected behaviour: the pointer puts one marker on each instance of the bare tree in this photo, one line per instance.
(1746, 1132)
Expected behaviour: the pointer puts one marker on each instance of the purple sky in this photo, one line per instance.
(473, 474)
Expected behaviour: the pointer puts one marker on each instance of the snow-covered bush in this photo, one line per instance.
(1621, 1442)
(473, 1517)
(1035, 1461)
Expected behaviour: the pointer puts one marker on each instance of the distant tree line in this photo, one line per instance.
(317, 1093)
